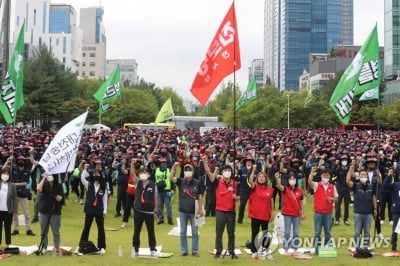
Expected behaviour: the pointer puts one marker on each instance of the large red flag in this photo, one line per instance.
(222, 58)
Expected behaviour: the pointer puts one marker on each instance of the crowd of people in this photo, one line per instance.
(263, 170)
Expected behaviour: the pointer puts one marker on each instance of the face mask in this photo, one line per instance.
(139, 154)
(188, 173)
(344, 163)
(143, 149)
(248, 167)
(50, 178)
(163, 167)
(227, 174)
(20, 164)
(292, 182)
(195, 158)
(143, 176)
(363, 180)
(287, 149)
(5, 177)
(325, 180)
(195, 149)
(96, 178)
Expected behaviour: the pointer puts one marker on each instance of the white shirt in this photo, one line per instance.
(3, 197)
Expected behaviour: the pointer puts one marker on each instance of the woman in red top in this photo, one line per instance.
(292, 211)
(261, 207)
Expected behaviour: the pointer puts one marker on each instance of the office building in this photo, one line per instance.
(128, 70)
(293, 29)
(256, 70)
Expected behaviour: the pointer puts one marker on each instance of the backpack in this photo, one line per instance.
(87, 247)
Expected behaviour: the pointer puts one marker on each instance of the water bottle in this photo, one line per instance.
(119, 251)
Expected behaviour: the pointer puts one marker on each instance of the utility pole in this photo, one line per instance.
(5, 35)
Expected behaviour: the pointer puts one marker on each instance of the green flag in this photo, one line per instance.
(248, 95)
(109, 90)
(372, 94)
(308, 98)
(166, 112)
(363, 74)
(12, 98)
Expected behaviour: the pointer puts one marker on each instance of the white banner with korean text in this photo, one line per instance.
(60, 155)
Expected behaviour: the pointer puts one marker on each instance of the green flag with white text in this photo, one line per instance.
(109, 90)
(372, 94)
(12, 98)
(248, 95)
(166, 112)
(363, 74)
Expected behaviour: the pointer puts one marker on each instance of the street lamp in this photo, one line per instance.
(288, 115)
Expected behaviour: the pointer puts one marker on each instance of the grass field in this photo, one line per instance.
(72, 224)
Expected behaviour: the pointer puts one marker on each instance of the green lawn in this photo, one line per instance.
(72, 224)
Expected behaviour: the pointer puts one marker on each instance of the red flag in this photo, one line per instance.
(222, 58)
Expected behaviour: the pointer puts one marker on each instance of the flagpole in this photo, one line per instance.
(234, 93)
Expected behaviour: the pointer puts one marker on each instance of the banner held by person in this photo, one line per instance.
(60, 155)
(166, 112)
(109, 90)
(248, 95)
(363, 74)
(222, 58)
(11, 98)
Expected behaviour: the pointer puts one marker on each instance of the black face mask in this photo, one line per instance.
(137, 165)
(96, 178)
(21, 164)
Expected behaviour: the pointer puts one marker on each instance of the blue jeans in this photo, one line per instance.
(184, 217)
(325, 220)
(362, 222)
(289, 222)
(164, 198)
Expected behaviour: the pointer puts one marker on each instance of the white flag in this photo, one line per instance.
(60, 155)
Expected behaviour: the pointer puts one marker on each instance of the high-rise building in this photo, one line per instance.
(127, 68)
(53, 25)
(93, 43)
(392, 51)
(256, 71)
(295, 28)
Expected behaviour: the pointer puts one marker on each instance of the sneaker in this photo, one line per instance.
(154, 253)
(346, 223)
(170, 222)
(254, 255)
(123, 225)
(217, 255)
(30, 233)
(381, 237)
(160, 222)
(117, 215)
(81, 201)
(15, 232)
(234, 256)
(102, 251)
(183, 254)
(195, 255)
(134, 253)
(336, 222)
(382, 221)
(35, 220)
(391, 222)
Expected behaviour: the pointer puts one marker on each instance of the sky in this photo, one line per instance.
(169, 39)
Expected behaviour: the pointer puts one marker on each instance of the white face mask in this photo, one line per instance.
(227, 174)
(363, 180)
(325, 180)
(194, 149)
(50, 178)
(248, 167)
(292, 182)
(5, 177)
(344, 163)
(139, 154)
(143, 149)
(143, 176)
(188, 173)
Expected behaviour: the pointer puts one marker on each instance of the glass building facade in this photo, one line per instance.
(60, 18)
(296, 28)
(392, 39)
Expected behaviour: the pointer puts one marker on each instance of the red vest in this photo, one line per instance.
(260, 203)
(321, 203)
(292, 201)
(223, 194)
(130, 190)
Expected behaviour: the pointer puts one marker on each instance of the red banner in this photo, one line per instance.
(222, 58)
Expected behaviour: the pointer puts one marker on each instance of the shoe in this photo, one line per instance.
(233, 256)
(286, 253)
(183, 254)
(346, 223)
(217, 255)
(117, 215)
(102, 251)
(382, 221)
(391, 222)
(154, 253)
(254, 255)
(381, 237)
(123, 225)
(160, 222)
(30, 233)
(15, 232)
(195, 255)
(336, 222)
(170, 222)
(134, 253)
(240, 221)
(81, 201)
(35, 220)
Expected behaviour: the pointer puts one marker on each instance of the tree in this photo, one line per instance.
(177, 102)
